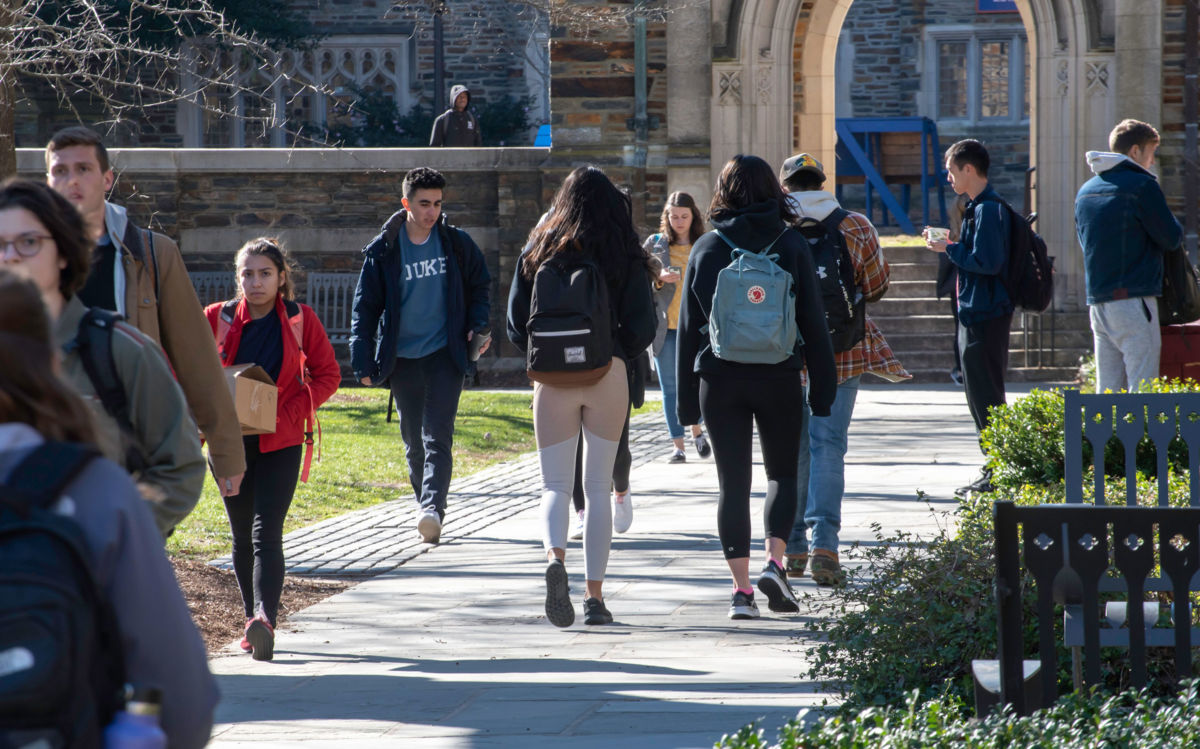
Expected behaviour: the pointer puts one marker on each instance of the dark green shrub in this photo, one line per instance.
(1130, 720)
(1025, 446)
(505, 122)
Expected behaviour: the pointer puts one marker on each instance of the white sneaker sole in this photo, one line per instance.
(622, 513)
(430, 529)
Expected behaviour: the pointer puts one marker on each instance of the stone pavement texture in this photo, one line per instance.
(448, 646)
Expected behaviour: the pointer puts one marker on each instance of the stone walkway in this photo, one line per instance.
(449, 646)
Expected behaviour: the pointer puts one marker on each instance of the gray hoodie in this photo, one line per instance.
(456, 129)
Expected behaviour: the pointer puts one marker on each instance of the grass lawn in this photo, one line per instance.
(362, 461)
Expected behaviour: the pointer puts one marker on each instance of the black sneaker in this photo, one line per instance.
(677, 457)
(559, 610)
(594, 612)
(774, 585)
(702, 446)
(742, 606)
(979, 485)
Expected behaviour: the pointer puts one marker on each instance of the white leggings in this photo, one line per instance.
(559, 414)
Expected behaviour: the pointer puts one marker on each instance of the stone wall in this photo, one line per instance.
(1170, 153)
(325, 204)
(485, 45)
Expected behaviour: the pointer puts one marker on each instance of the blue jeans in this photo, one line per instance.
(665, 363)
(426, 392)
(821, 473)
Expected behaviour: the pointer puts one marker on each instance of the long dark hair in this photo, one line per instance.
(30, 391)
(681, 200)
(61, 220)
(591, 217)
(744, 181)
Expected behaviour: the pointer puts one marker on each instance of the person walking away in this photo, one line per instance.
(140, 274)
(155, 642)
(423, 294)
(142, 421)
(264, 325)
(980, 258)
(749, 211)
(580, 306)
(1124, 226)
(678, 229)
(821, 469)
(457, 127)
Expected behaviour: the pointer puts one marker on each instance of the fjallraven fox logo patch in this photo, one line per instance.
(756, 294)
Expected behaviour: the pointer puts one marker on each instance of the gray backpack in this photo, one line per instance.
(753, 318)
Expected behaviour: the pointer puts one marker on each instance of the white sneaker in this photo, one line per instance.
(429, 525)
(622, 511)
(577, 531)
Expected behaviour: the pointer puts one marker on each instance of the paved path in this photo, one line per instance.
(449, 646)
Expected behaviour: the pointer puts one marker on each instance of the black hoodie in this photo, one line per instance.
(751, 228)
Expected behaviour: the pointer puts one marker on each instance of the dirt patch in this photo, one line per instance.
(216, 605)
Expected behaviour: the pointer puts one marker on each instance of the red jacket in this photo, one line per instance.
(293, 405)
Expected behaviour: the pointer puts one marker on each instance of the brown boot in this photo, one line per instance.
(826, 570)
(796, 564)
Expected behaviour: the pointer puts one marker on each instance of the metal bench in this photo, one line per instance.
(1080, 553)
(212, 286)
(331, 295)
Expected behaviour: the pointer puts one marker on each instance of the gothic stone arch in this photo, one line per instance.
(773, 84)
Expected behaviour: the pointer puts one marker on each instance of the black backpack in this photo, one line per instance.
(845, 306)
(570, 323)
(61, 669)
(93, 340)
(1030, 277)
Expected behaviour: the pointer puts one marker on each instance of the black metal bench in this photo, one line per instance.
(1079, 553)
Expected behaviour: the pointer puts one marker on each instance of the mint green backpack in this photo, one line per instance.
(753, 318)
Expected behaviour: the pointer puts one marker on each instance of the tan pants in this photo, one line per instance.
(559, 415)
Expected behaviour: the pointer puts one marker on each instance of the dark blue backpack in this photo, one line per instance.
(61, 669)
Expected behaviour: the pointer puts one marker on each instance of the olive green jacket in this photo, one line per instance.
(160, 425)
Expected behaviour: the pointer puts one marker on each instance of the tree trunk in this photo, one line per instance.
(8, 141)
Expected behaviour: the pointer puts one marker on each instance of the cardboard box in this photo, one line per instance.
(255, 397)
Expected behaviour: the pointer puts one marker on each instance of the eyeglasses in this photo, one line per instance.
(26, 245)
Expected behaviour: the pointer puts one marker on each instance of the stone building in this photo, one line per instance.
(663, 104)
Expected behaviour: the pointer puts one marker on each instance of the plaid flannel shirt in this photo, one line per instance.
(871, 274)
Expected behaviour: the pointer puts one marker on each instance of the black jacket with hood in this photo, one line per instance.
(376, 314)
(455, 129)
(751, 228)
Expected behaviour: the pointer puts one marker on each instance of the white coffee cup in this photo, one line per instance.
(936, 234)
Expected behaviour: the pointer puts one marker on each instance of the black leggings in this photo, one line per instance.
(256, 517)
(731, 407)
(621, 467)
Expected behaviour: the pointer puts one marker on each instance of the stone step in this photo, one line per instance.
(1056, 376)
(899, 306)
(891, 323)
(912, 271)
(917, 254)
(901, 288)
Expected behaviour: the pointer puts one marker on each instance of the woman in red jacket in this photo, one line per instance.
(264, 326)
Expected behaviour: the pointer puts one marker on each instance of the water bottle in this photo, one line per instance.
(137, 726)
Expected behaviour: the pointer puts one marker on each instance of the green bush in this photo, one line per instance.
(1025, 446)
(1130, 720)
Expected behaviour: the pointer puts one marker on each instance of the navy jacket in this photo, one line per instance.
(981, 258)
(752, 228)
(377, 298)
(1124, 226)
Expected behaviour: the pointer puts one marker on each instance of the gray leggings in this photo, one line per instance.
(560, 415)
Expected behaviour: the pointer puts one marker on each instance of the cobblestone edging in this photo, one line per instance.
(379, 539)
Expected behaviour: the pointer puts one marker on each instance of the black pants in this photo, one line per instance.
(426, 392)
(621, 467)
(731, 407)
(984, 348)
(256, 516)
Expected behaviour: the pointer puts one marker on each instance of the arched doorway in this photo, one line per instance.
(774, 83)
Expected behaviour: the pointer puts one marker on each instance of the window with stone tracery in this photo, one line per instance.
(306, 91)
